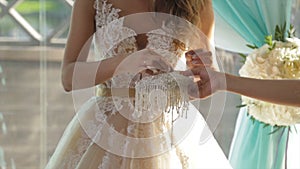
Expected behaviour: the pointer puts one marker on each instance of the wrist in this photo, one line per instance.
(230, 82)
(237, 84)
(221, 81)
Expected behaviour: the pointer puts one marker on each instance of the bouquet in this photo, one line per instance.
(278, 58)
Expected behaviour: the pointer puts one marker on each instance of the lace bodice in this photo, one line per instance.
(112, 38)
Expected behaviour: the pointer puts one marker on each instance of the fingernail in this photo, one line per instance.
(191, 52)
(194, 56)
(185, 73)
(180, 72)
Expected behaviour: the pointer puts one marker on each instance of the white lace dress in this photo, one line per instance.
(100, 137)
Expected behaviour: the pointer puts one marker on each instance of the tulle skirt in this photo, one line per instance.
(88, 143)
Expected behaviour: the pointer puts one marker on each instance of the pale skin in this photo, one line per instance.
(286, 92)
(83, 27)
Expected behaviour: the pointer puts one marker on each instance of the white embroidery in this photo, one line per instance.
(112, 37)
(73, 156)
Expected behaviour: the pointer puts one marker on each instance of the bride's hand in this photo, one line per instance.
(144, 61)
(198, 57)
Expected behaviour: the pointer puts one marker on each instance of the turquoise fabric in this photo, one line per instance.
(254, 19)
(253, 147)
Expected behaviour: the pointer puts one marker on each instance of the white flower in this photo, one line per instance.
(282, 62)
(294, 41)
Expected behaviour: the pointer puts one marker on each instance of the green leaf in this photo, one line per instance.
(292, 129)
(252, 46)
(253, 120)
(280, 32)
(292, 31)
(266, 125)
(276, 128)
(269, 40)
(242, 105)
(244, 57)
(273, 47)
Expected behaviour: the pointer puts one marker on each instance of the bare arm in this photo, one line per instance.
(76, 52)
(285, 92)
(77, 73)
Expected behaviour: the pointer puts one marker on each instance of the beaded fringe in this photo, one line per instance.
(164, 93)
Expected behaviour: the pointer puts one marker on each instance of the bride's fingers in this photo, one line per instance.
(187, 73)
(205, 58)
(162, 66)
(157, 67)
(193, 90)
(205, 90)
(199, 57)
(196, 65)
(192, 52)
(194, 71)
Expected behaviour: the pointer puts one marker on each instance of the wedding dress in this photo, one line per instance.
(101, 137)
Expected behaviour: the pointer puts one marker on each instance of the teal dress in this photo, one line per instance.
(253, 145)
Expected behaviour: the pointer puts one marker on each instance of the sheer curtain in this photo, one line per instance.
(34, 109)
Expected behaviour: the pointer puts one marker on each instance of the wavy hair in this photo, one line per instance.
(187, 9)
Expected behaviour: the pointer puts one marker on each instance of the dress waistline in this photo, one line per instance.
(118, 92)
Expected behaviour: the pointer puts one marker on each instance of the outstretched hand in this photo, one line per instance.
(206, 81)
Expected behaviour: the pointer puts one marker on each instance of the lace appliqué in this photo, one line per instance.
(105, 13)
(162, 41)
(74, 156)
(112, 37)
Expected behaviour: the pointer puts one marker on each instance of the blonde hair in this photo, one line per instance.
(187, 9)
